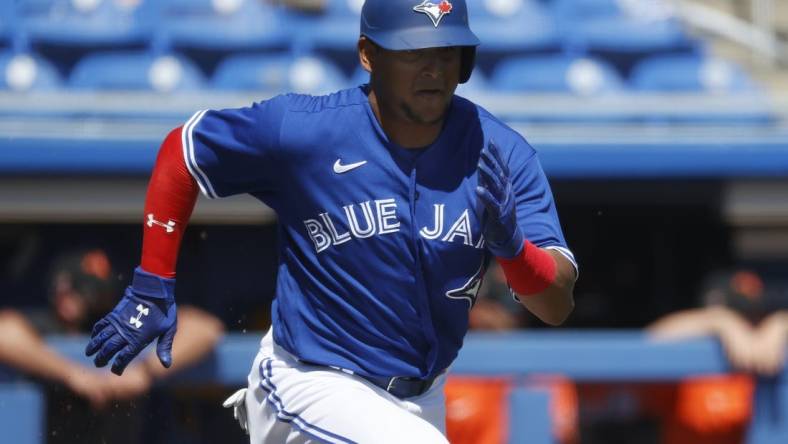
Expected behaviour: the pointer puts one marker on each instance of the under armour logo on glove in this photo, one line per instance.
(169, 226)
(142, 311)
(123, 335)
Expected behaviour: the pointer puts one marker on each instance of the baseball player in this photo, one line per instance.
(392, 198)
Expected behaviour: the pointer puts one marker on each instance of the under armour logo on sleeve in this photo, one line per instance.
(169, 226)
(141, 311)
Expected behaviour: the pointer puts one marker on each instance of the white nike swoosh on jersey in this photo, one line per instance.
(339, 168)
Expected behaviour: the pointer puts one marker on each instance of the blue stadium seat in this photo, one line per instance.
(478, 83)
(221, 24)
(336, 29)
(629, 35)
(512, 25)
(689, 73)
(281, 72)
(136, 71)
(26, 72)
(87, 22)
(588, 9)
(7, 22)
(555, 74)
(621, 31)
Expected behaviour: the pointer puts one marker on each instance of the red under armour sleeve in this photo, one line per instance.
(169, 202)
(530, 272)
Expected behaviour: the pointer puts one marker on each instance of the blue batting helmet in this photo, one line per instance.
(399, 25)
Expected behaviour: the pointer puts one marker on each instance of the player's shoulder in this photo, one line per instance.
(306, 103)
(286, 103)
(506, 137)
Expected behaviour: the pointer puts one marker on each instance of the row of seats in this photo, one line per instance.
(144, 71)
(256, 22)
(628, 26)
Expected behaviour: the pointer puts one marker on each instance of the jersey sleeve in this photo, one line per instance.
(234, 151)
(536, 213)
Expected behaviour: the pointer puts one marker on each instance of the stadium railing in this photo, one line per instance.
(599, 356)
(686, 134)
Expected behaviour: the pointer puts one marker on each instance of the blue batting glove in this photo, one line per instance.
(146, 312)
(501, 232)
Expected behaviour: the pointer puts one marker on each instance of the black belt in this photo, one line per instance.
(399, 386)
(402, 386)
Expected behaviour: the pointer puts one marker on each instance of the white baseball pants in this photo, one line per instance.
(290, 402)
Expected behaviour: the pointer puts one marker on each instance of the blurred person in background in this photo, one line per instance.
(477, 407)
(748, 311)
(82, 286)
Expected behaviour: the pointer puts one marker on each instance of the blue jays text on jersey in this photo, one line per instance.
(381, 250)
(381, 218)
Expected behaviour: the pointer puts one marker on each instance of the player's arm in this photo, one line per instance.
(713, 320)
(771, 340)
(147, 310)
(554, 303)
(542, 278)
(198, 334)
(23, 348)
(735, 333)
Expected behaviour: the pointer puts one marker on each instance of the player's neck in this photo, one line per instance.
(404, 132)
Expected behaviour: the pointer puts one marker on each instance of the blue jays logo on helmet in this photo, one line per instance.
(434, 11)
(397, 25)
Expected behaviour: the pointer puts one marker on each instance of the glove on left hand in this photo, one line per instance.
(146, 312)
(503, 235)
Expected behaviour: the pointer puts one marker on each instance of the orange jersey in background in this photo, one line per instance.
(477, 409)
(714, 409)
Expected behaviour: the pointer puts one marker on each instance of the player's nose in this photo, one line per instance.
(434, 67)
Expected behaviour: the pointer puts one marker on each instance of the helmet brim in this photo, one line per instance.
(421, 38)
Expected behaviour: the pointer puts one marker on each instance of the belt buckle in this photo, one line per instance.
(392, 382)
(413, 386)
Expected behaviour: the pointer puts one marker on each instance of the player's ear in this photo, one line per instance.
(366, 53)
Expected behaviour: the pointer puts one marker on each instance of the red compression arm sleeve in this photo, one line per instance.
(531, 272)
(172, 192)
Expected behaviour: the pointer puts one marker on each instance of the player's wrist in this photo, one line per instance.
(151, 286)
(510, 248)
(532, 271)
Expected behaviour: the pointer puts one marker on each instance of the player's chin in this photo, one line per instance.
(430, 107)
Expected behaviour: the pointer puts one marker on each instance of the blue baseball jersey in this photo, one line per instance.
(381, 251)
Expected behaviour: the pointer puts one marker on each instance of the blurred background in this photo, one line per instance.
(661, 124)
